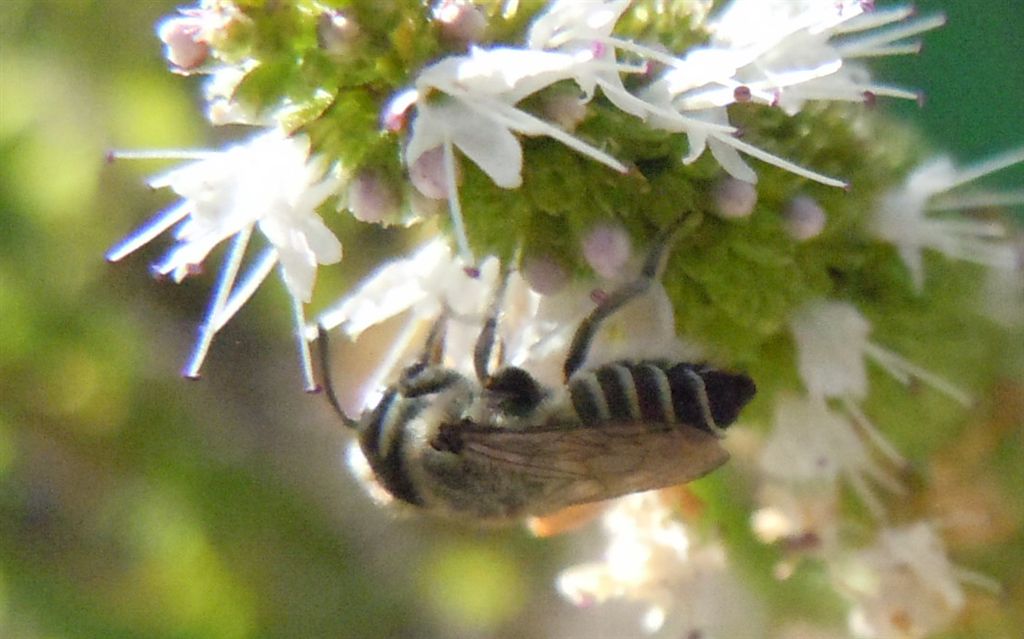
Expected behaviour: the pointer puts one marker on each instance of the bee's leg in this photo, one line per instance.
(433, 349)
(651, 271)
(325, 373)
(488, 332)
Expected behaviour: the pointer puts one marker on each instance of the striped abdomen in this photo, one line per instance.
(382, 435)
(660, 392)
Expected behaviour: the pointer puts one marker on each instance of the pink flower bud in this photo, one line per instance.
(734, 198)
(607, 249)
(460, 21)
(184, 43)
(544, 274)
(804, 218)
(427, 174)
(371, 198)
(566, 110)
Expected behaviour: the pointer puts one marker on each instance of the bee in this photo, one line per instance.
(503, 447)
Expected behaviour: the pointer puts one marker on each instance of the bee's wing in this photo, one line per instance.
(577, 464)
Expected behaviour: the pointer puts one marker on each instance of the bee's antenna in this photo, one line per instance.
(328, 383)
(651, 271)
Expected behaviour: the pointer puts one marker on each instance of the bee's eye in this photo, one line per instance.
(515, 390)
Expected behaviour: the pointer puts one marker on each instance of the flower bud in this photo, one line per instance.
(607, 249)
(566, 110)
(185, 46)
(804, 218)
(734, 198)
(544, 274)
(427, 174)
(460, 22)
(371, 197)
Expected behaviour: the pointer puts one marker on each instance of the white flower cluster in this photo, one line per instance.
(777, 52)
(652, 558)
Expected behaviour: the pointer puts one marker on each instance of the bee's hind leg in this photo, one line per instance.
(651, 271)
(488, 332)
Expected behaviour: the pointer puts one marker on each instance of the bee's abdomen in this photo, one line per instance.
(382, 438)
(660, 392)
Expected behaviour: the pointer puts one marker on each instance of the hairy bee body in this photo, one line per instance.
(501, 446)
(439, 441)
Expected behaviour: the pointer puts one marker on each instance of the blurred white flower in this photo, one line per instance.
(904, 215)
(903, 586)
(812, 445)
(803, 517)
(268, 183)
(687, 588)
(832, 349)
(785, 52)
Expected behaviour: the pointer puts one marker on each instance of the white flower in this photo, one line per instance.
(903, 216)
(832, 347)
(477, 114)
(811, 444)
(903, 586)
(267, 183)
(584, 30)
(803, 516)
(650, 558)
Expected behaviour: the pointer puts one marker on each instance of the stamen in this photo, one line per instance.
(210, 325)
(873, 434)
(250, 282)
(775, 160)
(871, 19)
(900, 368)
(148, 231)
(987, 167)
(521, 121)
(979, 200)
(305, 359)
(162, 154)
(890, 36)
(454, 207)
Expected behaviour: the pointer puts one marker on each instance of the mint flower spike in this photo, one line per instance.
(902, 217)
(267, 183)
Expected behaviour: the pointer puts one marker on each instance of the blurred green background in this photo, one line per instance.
(136, 504)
